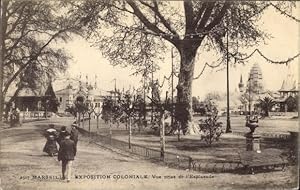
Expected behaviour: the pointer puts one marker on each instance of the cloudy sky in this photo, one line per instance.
(285, 43)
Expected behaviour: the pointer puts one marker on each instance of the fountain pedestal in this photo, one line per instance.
(252, 139)
(253, 142)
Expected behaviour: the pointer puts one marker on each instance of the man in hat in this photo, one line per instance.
(62, 134)
(74, 133)
(66, 154)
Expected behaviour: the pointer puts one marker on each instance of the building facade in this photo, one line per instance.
(83, 92)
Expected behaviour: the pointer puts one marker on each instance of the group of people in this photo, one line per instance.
(67, 142)
(14, 117)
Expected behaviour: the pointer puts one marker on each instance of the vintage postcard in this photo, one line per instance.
(149, 94)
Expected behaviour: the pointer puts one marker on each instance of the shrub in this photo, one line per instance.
(210, 128)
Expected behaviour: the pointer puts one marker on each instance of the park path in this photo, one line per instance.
(22, 158)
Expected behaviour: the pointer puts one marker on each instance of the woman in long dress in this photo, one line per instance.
(51, 147)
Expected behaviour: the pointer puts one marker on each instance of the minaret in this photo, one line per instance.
(241, 85)
(95, 86)
(87, 80)
(80, 84)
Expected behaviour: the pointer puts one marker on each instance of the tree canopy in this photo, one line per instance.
(131, 32)
(134, 33)
(29, 30)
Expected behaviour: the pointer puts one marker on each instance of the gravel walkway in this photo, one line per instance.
(24, 166)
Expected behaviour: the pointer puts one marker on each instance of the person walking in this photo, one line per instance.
(50, 147)
(13, 118)
(66, 154)
(74, 133)
(62, 134)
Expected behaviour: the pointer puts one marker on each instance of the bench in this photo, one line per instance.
(268, 159)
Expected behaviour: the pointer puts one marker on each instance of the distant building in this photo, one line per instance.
(255, 80)
(33, 102)
(289, 87)
(288, 94)
(285, 98)
(30, 100)
(65, 97)
(250, 94)
(83, 92)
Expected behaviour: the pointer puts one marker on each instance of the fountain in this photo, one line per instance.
(252, 138)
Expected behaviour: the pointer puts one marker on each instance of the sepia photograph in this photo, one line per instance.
(149, 94)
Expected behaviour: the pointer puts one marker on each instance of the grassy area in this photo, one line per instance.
(227, 149)
(266, 125)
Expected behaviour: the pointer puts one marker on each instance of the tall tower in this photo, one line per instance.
(241, 85)
(95, 85)
(256, 79)
(87, 80)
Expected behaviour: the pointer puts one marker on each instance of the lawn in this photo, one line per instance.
(227, 149)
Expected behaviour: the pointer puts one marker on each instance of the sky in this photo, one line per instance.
(88, 61)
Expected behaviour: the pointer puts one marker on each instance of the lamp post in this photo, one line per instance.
(228, 126)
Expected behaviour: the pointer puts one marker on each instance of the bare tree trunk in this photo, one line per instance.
(184, 89)
(1, 66)
(162, 136)
(3, 9)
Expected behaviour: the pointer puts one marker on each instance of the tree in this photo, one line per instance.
(195, 103)
(72, 110)
(213, 96)
(292, 103)
(199, 107)
(135, 32)
(28, 30)
(266, 105)
(50, 102)
(107, 109)
(139, 105)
